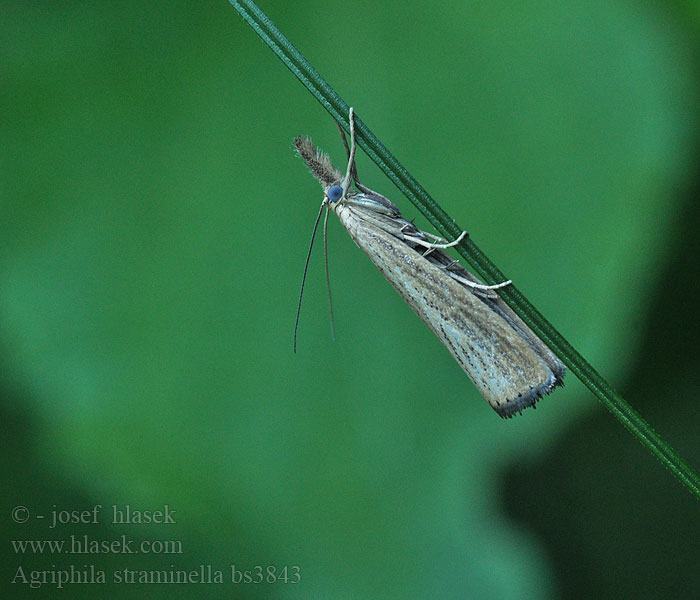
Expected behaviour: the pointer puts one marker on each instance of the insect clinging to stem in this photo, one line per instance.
(509, 364)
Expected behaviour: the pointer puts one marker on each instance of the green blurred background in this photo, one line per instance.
(154, 228)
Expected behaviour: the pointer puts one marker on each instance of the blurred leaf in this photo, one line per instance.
(155, 222)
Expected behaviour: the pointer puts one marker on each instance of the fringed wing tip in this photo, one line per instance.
(512, 407)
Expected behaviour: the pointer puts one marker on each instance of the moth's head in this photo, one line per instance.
(321, 167)
(334, 193)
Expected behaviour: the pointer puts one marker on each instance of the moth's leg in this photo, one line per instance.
(432, 246)
(479, 286)
(410, 224)
(437, 238)
(355, 178)
(351, 157)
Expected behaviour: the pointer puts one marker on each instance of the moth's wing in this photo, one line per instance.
(496, 303)
(502, 362)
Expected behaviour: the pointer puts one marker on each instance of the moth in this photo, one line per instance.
(509, 364)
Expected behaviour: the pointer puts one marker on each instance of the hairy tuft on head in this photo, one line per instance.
(318, 162)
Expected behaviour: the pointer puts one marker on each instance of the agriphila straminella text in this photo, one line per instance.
(504, 358)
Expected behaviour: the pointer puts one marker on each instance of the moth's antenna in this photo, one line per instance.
(328, 277)
(351, 174)
(306, 268)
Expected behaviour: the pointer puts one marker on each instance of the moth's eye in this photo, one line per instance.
(334, 193)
